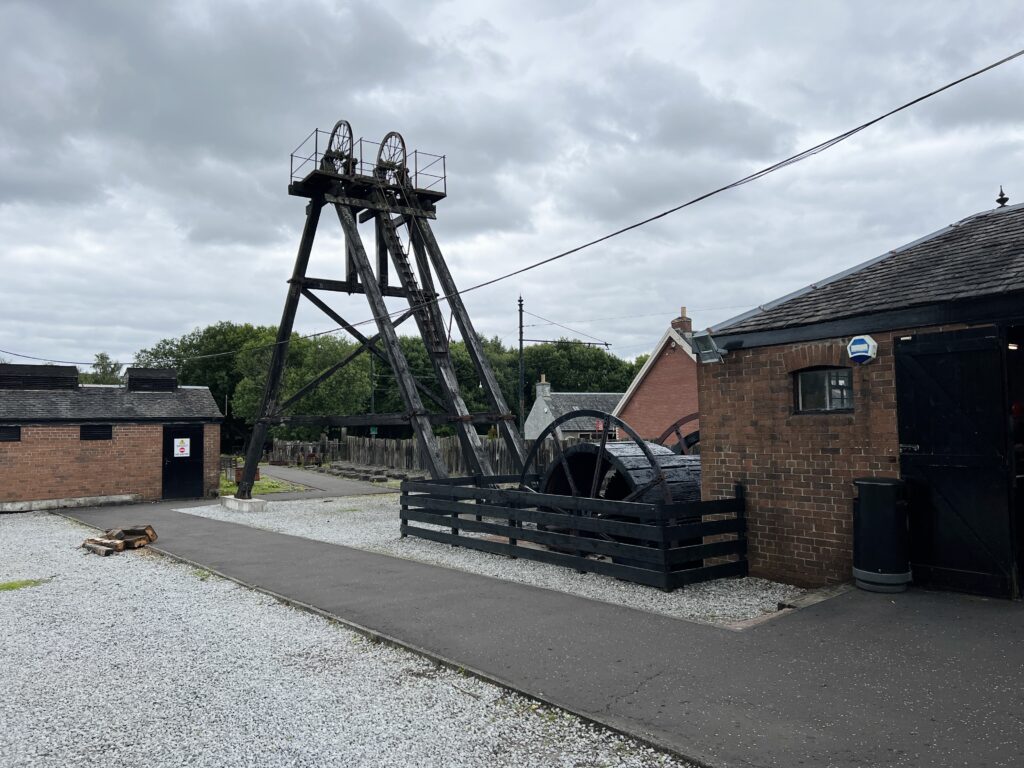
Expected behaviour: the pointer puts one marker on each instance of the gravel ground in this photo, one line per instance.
(135, 660)
(371, 523)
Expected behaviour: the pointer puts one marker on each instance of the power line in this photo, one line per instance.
(604, 344)
(567, 328)
(791, 160)
(633, 317)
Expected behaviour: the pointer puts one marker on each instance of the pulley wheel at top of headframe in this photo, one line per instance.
(339, 157)
(629, 470)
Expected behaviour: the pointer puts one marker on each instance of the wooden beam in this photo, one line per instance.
(430, 448)
(431, 322)
(423, 239)
(284, 333)
(353, 202)
(368, 343)
(309, 386)
(345, 286)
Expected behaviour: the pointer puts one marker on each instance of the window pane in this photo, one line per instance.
(840, 389)
(827, 389)
(812, 391)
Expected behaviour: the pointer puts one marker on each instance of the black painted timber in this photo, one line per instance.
(275, 376)
(652, 546)
(652, 533)
(347, 286)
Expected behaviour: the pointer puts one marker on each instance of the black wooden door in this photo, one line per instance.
(183, 461)
(953, 423)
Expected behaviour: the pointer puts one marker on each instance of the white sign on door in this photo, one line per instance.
(182, 447)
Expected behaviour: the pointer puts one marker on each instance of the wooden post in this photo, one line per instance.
(284, 333)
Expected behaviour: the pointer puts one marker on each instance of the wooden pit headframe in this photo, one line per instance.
(335, 170)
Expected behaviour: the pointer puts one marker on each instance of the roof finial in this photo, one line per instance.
(1002, 199)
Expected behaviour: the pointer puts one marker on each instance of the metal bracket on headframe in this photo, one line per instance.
(396, 198)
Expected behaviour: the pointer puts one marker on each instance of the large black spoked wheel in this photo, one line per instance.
(391, 159)
(338, 157)
(687, 443)
(625, 470)
(621, 470)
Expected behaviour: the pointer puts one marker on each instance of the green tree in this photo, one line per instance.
(574, 367)
(208, 357)
(104, 371)
(504, 362)
(346, 391)
(639, 363)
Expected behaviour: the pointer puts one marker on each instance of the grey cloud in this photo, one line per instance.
(668, 108)
(145, 151)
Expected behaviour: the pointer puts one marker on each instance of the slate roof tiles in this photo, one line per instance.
(982, 255)
(92, 403)
(561, 403)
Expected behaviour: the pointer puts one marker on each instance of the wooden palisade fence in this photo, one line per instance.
(399, 454)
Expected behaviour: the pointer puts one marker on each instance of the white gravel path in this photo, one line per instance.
(135, 660)
(371, 523)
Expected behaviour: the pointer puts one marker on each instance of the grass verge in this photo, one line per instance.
(263, 485)
(10, 586)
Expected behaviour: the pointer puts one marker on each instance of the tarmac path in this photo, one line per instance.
(915, 679)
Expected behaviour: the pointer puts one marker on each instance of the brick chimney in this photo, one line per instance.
(543, 387)
(683, 324)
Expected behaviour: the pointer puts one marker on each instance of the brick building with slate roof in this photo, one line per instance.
(63, 443)
(551, 405)
(786, 411)
(664, 390)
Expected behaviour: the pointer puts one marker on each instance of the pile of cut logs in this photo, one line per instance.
(120, 539)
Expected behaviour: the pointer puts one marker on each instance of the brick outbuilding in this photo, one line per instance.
(63, 443)
(788, 413)
(663, 395)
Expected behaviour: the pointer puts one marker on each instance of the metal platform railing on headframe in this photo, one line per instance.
(427, 171)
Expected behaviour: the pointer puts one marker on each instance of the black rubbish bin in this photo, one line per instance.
(881, 547)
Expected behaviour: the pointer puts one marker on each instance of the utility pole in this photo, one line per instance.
(522, 373)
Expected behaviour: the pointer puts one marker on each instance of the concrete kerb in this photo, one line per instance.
(243, 505)
(46, 505)
(610, 722)
(806, 600)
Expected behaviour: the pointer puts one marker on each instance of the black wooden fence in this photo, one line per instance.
(661, 545)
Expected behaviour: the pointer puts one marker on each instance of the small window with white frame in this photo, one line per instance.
(823, 390)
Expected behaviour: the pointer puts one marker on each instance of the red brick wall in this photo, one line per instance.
(211, 460)
(668, 392)
(51, 462)
(797, 468)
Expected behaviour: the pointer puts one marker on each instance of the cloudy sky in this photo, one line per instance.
(145, 152)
